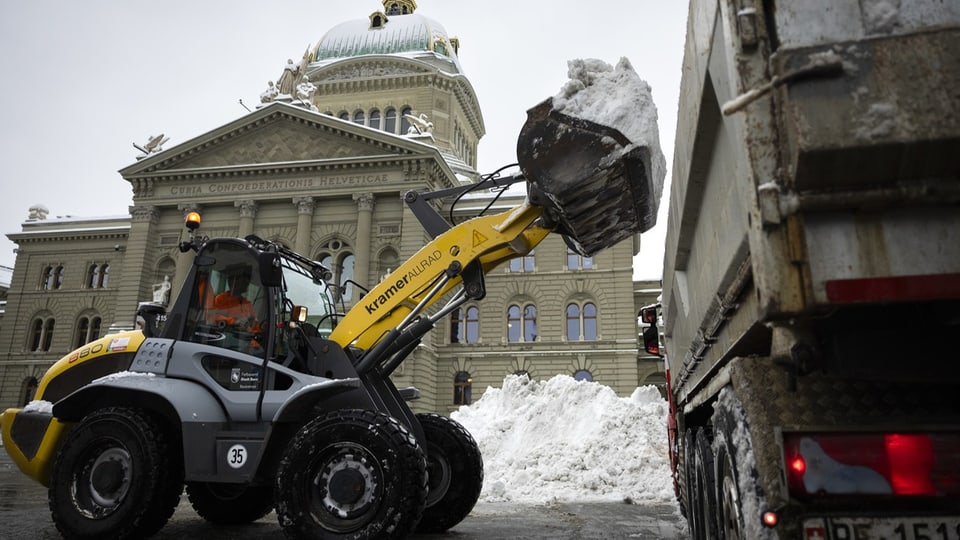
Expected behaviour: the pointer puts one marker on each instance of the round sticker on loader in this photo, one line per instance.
(237, 456)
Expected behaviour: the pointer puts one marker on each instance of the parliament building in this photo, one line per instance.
(378, 107)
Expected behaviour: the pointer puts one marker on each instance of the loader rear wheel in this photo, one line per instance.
(115, 476)
(230, 504)
(351, 474)
(454, 470)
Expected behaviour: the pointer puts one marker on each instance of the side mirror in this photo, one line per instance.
(271, 273)
(651, 334)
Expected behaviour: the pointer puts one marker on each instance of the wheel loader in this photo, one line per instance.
(277, 402)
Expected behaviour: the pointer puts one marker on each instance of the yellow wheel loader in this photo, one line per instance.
(256, 395)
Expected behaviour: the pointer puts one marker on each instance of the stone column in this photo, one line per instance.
(248, 211)
(184, 260)
(135, 273)
(361, 271)
(305, 206)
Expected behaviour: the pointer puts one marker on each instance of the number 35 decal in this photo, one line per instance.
(237, 456)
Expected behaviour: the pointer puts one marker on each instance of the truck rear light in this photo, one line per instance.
(893, 289)
(882, 464)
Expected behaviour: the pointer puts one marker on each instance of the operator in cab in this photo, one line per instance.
(233, 312)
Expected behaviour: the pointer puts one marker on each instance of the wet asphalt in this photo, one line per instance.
(24, 515)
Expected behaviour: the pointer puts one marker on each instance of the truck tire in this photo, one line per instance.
(230, 504)
(351, 474)
(703, 489)
(115, 476)
(738, 490)
(454, 473)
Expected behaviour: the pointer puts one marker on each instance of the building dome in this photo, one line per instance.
(395, 31)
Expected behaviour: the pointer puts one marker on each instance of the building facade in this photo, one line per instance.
(378, 107)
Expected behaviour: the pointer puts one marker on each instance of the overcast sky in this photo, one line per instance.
(84, 80)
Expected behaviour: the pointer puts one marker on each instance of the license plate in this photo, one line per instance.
(928, 528)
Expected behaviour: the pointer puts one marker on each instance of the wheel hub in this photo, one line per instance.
(109, 477)
(347, 486)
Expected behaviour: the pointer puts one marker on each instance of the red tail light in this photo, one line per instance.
(900, 464)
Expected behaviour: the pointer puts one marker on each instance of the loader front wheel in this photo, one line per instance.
(454, 470)
(115, 476)
(230, 504)
(351, 474)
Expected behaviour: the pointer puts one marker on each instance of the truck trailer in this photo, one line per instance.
(811, 283)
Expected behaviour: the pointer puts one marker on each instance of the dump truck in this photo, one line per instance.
(256, 394)
(811, 278)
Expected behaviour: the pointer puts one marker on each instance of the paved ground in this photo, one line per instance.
(24, 515)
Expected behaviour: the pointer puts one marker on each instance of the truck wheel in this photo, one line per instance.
(703, 488)
(115, 476)
(454, 473)
(351, 474)
(729, 426)
(230, 504)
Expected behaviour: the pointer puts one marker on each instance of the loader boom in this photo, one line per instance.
(459, 256)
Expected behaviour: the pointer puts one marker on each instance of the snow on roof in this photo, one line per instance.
(412, 35)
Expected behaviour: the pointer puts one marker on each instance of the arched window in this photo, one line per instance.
(88, 329)
(344, 115)
(41, 334)
(582, 375)
(359, 117)
(47, 278)
(98, 275)
(462, 388)
(93, 276)
(573, 322)
(404, 123)
(375, 119)
(575, 261)
(58, 277)
(582, 322)
(521, 323)
(390, 121)
(465, 325)
(338, 257)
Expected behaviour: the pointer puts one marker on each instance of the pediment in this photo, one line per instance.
(276, 135)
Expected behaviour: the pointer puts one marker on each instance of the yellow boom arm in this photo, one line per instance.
(491, 240)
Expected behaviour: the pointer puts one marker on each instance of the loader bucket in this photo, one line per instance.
(595, 186)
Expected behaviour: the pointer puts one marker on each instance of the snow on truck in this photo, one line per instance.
(811, 286)
(255, 394)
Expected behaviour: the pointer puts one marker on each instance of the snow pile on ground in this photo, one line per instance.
(567, 440)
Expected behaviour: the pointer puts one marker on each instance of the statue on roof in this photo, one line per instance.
(419, 124)
(270, 93)
(293, 75)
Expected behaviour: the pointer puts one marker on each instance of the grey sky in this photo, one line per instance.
(85, 80)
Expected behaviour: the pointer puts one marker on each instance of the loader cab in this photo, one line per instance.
(229, 304)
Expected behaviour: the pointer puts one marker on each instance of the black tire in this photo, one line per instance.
(703, 490)
(351, 474)
(730, 518)
(230, 504)
(116, 476)
(454, 473)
